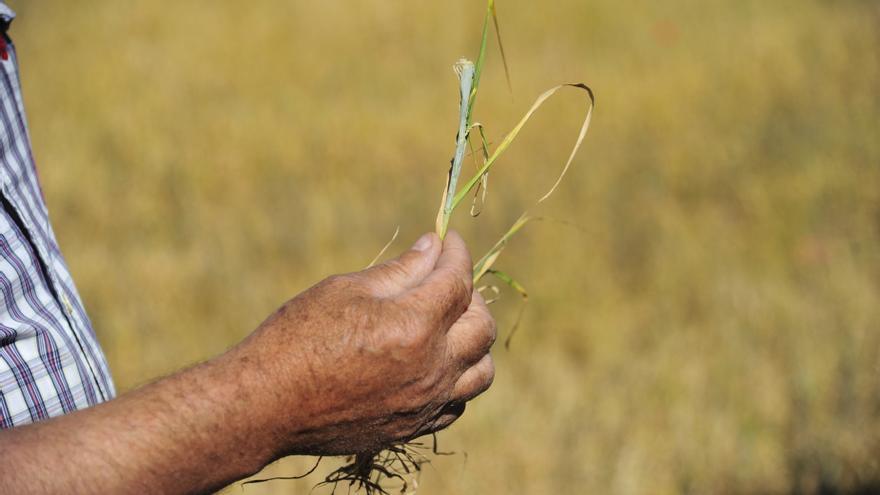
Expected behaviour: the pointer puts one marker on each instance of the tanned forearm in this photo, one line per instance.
(356, 363)
(195, 431)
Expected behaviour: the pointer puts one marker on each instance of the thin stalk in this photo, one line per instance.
(491, 14)
(465, 70)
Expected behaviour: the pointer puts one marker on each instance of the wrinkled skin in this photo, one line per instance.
(357, 362)
(379, 356)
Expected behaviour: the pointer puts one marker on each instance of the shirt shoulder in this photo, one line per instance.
(6, 13)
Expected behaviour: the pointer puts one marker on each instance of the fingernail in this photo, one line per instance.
(423, 243)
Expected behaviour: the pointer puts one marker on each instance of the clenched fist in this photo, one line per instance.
(366, 359)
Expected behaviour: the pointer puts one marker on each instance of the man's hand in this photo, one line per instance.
(355, 363)
(384, 355)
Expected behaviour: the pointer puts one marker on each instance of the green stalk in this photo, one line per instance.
(492, 15)
(465, 70)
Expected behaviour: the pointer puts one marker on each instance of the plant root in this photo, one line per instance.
(396, 468)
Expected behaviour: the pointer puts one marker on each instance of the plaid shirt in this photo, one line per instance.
(50, 361)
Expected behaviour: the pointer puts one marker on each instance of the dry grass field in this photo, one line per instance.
(714, 327)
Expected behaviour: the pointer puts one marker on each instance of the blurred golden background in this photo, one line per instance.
(713, 328)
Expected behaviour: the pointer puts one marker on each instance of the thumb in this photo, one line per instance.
(407, 270)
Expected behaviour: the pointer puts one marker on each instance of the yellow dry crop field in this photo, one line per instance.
(712, 325)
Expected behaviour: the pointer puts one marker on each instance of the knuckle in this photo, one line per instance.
(467, 281)
(394, 268)
(491, 330)
(396, 341)
(407, 335)
(480, 332)
(410, 339)
(459, 294)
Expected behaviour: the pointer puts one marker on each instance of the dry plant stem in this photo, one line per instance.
(465, 70)
(385, 248)
(484, 264)
(508, 140)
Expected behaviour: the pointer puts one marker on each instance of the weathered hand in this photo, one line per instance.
(366, 359)
(354, 364)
